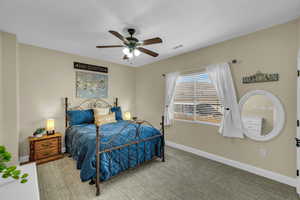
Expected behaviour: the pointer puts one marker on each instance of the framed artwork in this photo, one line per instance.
(260, 77)
(91, 85)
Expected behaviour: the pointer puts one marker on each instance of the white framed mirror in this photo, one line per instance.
(262, 115)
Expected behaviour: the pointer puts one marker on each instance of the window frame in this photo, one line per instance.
(198, 122)
(194, 115)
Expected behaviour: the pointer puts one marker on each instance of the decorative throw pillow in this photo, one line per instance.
(118, 112)
(77, 117)
(105, 119)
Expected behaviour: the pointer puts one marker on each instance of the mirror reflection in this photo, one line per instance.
(258, 115)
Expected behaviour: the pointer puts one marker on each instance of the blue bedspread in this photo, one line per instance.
(81, 141)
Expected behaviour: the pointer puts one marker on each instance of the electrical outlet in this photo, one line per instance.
(263, 152)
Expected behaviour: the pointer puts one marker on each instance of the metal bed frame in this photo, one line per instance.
(100, 103)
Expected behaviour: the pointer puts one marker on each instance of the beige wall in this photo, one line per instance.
(1, 96)
(10, 94)
(270, 50)
(47, 76)
(299, 33)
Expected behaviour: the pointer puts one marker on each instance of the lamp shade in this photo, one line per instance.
(126, 51)
(136, 52)
(130, 55)
(127, 116)
(50, 125)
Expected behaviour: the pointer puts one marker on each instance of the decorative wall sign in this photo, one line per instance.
(260, 77)
(88, 67)
(91, 85)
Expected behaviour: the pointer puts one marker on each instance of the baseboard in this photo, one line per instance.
(255, 170)
(24, 159)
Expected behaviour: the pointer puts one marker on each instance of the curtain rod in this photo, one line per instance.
(234, 61)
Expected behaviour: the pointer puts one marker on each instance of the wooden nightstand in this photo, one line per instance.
(45, 149)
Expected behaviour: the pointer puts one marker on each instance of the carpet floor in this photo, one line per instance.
(183, 176)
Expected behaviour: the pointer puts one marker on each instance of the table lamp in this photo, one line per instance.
(50, 127)
(127, 116)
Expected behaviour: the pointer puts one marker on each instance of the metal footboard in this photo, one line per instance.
(118, 148)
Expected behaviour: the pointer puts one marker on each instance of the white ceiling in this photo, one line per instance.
(77, 26)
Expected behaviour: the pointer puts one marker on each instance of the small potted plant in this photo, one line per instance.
(9, 173)
(39, 132)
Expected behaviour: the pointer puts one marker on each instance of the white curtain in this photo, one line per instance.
(231, 125)
(171, 79)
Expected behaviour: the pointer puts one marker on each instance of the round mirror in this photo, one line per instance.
(262, 115)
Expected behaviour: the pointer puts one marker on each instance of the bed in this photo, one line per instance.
(105, 151)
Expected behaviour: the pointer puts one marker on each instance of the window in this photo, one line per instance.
(196, 99)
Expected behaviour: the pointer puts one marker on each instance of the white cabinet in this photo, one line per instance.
(14, 190)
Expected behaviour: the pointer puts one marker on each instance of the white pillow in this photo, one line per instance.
(101, 111)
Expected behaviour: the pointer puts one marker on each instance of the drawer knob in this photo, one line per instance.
(46, 145)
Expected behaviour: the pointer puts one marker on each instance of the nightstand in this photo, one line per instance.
(46, 148)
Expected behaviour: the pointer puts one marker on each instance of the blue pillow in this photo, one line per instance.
(118, 112)
(77, 117)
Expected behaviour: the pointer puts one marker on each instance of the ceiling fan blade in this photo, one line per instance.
(125, 57)
(118, 35)
(109, 46)
(147, 51)
(152, 41)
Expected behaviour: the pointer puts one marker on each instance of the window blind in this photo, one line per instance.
(196, 99)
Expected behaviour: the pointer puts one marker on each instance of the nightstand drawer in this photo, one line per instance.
(46, 144)
(46, 153)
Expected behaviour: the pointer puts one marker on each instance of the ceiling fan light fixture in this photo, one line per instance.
(126, 51)
(136, 52)
(132, 47)
(130, 55)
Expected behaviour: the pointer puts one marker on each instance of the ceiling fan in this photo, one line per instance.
(133, 47)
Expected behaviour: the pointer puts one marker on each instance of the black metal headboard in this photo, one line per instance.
(87, 104)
